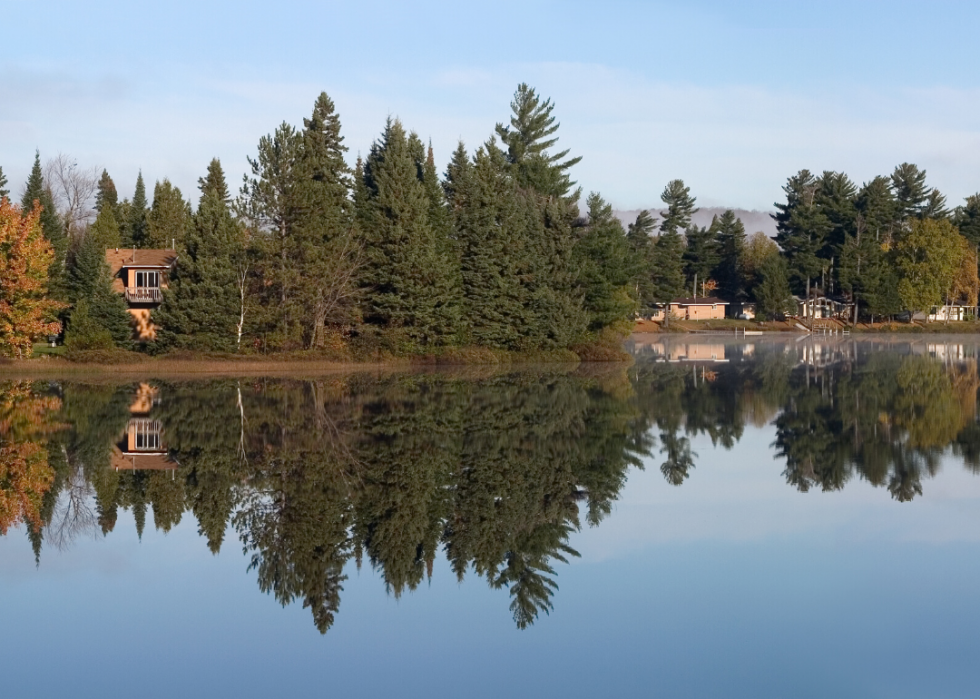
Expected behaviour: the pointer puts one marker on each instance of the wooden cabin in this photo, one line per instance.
(140, 276)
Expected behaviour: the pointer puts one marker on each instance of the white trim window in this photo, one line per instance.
(146, 279)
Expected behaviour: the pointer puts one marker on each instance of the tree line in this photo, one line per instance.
(390, 256)
(494, 252)
(888, 247)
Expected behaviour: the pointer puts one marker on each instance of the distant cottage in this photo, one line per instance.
(705, 308)
(140, 276)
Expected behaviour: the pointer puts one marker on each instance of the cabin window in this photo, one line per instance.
(147, 280)
(148, 436)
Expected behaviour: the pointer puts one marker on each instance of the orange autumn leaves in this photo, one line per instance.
(25, 256)
(25, 472)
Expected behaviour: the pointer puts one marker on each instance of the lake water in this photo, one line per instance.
(725, 518)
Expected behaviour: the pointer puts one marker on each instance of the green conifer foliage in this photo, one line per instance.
(604, 267)
(642, 251)
(85, 332)
(490, 226)
(105, 230)
(701, 255)
(106, 195)
(730, 272)
(36, 190)
(530, 134)
(680, 207)
(89, 280)
(4, 192)
(203, 307)
(136, 229)
(803, 229)
(911, 192)
(667, 279)
(772, 294)
(169, 219)
(406, 268)
(967, 219)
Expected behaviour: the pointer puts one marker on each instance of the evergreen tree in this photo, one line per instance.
(878, 209)
(773, 296)
(90, 280)
(4, 192)
(36, 190)
(85, 332)
(967, 219)
(911, 192)
(136, 231)
(803, 229)
(169, 218)
(730, 272)
(641, 246)
(325, 246)
(935, 206)
(604, 267)
(667, 279)
(490, 227)
(202, 306)
(106, 195)
(105, 230)
(530, 134)
(407, 270)
(701, 255)
(680, 207)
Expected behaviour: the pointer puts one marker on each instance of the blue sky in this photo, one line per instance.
(731, 97)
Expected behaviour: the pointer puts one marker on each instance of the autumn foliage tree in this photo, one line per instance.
(25, 256)
(25, 472)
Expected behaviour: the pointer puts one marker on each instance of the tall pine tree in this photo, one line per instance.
(169, 219)
(202, 306)
(603, 265)
(37, 190)
(730, 272)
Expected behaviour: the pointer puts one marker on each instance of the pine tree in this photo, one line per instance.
(409, 275)
(803, 229)
(730, 272)
(641, 245)
(135, 231)
(105, 230)
(530, 134)
(667, 280)
(680, 207)
(911, 192)
(89, 280)
(604, 271)
(967, 219)
(773, 296)
(270, 204)
(4, 192)
(37, 190)
(878, 209)
(202, 306)
(490, 227)
(701, 255)
(326, 251)
(106, 195)
(169, 218)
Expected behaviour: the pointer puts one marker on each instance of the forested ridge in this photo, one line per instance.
(399, 256)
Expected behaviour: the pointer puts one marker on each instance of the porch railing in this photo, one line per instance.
(143, 294)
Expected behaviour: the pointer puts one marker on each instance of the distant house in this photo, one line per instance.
(742, 310)
(944, 313)
(823, 307)
(705, 308)
(140, 276)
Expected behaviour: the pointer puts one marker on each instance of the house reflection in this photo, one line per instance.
(141, 447)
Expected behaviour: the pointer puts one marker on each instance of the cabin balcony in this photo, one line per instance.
(144, 294)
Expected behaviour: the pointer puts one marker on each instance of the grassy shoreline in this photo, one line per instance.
(124, 363)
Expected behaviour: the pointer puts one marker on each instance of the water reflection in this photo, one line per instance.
(495, 470)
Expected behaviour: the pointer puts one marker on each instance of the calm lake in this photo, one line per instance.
(725, 518)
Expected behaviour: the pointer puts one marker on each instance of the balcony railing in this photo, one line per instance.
(143, 294)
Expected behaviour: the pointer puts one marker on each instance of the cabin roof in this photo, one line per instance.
(121, 258)
(703, 301)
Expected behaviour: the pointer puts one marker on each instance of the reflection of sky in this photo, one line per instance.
(732, 585)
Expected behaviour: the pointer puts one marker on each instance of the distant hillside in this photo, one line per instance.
(753, 220)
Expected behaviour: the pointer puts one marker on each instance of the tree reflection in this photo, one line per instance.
(496, 470)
